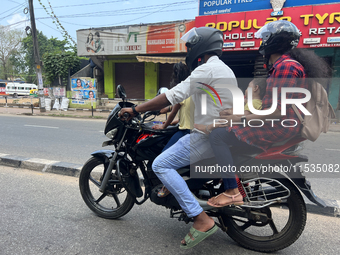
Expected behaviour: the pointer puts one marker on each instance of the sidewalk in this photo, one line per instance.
(71, 112)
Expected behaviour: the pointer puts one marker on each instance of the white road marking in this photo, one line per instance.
(40, 126)
(332, 149)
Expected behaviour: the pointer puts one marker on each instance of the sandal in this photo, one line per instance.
(163, 192)
(238, 201)
(194, 237)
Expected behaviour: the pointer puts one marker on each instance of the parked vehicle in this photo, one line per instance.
(2, 88)
(272, 217)
(19, 89)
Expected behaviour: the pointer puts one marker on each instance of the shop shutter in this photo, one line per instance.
(165, 73)
(131, 77)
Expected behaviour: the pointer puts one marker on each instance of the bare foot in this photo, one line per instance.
(202, 222)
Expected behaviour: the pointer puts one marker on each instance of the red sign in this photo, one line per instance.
(319, 25)
(166, 38)
(2, 88)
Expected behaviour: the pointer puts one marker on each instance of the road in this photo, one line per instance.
(44, 214)
(60, 139)
(73, 140)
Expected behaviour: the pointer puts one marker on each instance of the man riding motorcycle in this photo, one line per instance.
(204, 46)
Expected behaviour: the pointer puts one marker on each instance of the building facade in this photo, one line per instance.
(140, 57)
(318, 21)
(123, 54)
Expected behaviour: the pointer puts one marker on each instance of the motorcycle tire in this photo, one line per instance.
(249, 234)
(112, 204)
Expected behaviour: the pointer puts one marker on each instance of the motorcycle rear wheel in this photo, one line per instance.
(112, 204)
(274, 235)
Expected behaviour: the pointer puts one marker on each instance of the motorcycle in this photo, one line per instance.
(272, 217)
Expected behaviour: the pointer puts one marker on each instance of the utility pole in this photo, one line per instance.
(37, 61)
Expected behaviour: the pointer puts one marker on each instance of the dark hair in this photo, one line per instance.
(315, 66)
(88, 37)
(180, 73)
(97, 34)
(262, 83)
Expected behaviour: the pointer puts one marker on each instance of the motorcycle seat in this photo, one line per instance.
(170, 129)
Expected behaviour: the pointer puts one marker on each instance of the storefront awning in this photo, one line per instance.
(162, 60)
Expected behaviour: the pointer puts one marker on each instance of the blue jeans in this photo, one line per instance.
(189, 149)
(220, 140)
(180, 133)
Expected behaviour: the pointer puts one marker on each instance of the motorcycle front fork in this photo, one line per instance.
(111, 165)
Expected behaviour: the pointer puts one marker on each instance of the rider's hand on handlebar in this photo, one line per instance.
(124, 112)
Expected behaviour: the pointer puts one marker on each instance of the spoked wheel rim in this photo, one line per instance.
(114, 201)
(274, 227)
(283, 226)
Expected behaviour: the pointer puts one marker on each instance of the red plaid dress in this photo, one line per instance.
(283, 74)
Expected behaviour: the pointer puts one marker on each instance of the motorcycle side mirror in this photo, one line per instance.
(121, 92)
(162, 90)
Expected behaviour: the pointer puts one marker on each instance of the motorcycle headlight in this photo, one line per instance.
(112, 133)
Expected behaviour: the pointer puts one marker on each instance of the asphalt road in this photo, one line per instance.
(73, 140)
(44, 214)
(61, 139)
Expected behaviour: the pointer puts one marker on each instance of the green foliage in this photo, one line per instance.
(45, 45)
(10, 40)
(57, 64)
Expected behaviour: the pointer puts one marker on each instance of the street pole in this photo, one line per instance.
(37, 61)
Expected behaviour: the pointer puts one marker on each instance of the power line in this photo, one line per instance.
(16, 10)
(13, 1)
(54, 29)
(119, 11)
(129, 11)
(50, 27)
(75, 5)
(122, 14)
(16, 23)
(12, 8)
(56, 20)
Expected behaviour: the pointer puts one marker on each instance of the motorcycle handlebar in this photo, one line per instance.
(126, 115)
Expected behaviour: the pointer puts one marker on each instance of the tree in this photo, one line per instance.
(57, 65)
(10, 40)
(45, 46)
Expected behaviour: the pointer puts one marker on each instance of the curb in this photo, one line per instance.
(63, 168)
(41, 165)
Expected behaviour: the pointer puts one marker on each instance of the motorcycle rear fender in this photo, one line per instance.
(305, 187)
(301, 183)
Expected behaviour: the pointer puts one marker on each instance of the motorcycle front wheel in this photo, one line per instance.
(286, 221)
(111, 204)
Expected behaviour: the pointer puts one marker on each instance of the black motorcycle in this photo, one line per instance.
(272, 217)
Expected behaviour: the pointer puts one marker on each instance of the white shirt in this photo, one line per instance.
(213, 73)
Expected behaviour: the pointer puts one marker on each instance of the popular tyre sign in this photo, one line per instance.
(212, 7)
(319, 26)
